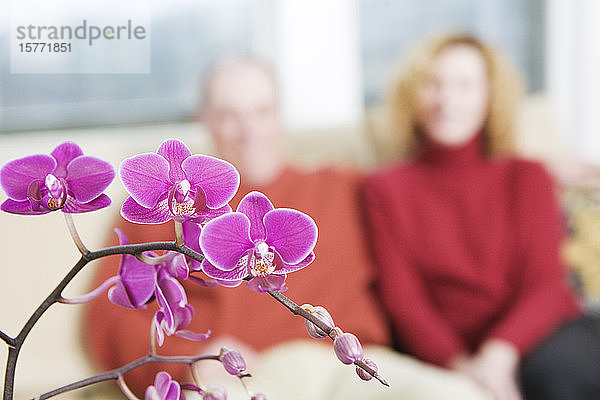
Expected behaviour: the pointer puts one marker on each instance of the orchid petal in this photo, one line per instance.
(236, 274)
(225, 239)
(118, 295)
(209, 213)
(133, 212)
(123, 239)
(146, 178)
(72, 206)
(151, 394)
(189, 335)
(64, 153)
(203, 282)
(262, 284)
(255, 205)
(20, 207)
(191, 238)
(16, 175)
(229, 284)
(174, 392)
(165, 312)
(174, 151)
(183, 316)
(162, 381)
(88, 177)
(177, 267)
(157, 321)
(191, 386)
(292, 233)
(288, 268)
(173, 292)
(218, 178)
(139, 280)
(171, 296)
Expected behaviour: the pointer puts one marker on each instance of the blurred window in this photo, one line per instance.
(186, 35)
(388, 28)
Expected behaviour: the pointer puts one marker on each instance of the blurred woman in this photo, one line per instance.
(466, 237)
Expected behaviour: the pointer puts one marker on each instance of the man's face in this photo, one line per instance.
(240, 111)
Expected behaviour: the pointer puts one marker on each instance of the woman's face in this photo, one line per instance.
(453, 103)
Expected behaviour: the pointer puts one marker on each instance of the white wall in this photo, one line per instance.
(314, 45)
(573, 67)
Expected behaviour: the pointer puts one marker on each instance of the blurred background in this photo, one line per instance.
(334, 60)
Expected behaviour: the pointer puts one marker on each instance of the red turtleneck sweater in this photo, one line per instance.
(467, 249)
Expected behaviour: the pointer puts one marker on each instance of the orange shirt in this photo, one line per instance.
(340, 279)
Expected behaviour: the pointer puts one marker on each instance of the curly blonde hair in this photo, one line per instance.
(506, 87)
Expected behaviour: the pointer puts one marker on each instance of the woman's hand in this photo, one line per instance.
(493, 367)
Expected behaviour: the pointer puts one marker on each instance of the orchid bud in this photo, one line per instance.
(259, 396)
(164, 388)
(347, 348)
(364, 375)
(233, 362)
(323, 315)
(214, 393)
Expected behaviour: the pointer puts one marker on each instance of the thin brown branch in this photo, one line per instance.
(178, 233)
(75, 235)
(7, 339)
(125, 389)
(116, 373)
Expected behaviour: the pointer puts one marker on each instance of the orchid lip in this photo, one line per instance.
(51, 195)
(57, 192)
(263, 260)
(180, 205)
(33, 192)
(261, 248)
(54, 186)
(183, 201)
(181, 190)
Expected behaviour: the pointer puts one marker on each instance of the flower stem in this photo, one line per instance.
(75, 235)
(196, 376)
(152, 338)
(245, 386)
(154, 260)
(125, 389)
(91, 295)
(115, 373)
(178, 234)
(7, 339)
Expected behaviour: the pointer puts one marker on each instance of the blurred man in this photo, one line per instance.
(241, 111)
